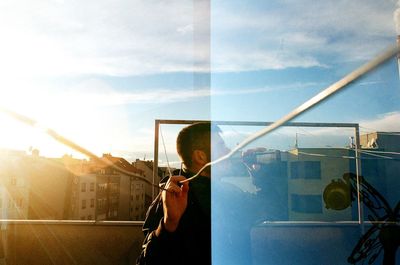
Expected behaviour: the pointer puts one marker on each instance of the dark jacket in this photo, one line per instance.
(191, 242)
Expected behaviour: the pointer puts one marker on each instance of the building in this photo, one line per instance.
(101, 192)
(15, 185)
(83, 197)
(310, 170)
(382, 167)
(137, 210)
(147, 167)
(295, 180)
(49, 188)
(33, 187)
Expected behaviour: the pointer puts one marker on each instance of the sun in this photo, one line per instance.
(49, 110)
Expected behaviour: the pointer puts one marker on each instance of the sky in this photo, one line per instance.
(100, 72)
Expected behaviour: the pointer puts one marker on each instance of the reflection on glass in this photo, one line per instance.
(274, 201)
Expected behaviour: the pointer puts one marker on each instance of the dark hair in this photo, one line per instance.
(196, 136)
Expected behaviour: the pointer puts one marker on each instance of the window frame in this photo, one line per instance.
(357, 146)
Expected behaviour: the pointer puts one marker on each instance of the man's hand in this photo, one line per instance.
(174, 202)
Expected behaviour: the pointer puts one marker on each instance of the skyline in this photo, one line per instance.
(101, 76)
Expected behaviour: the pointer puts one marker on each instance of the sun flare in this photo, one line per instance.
(79, 122)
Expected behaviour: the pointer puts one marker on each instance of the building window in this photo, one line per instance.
(83, 204)
(100, 204)
(137, 197)
(306, 203)
(92, 186)
(83, 187)
(91, 203)
(305, 170)
(102, 187)
(89, 217)
(114, 187)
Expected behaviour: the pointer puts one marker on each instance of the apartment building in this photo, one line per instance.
(137, 210)
(15, 185)
(382, 171)
(33, 187)
(147, 167)
(101, 192)
(83, 197)
(310, 170)
(295, 180)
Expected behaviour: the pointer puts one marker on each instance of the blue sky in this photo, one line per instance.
(100, 72)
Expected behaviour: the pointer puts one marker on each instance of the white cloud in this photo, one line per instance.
(81, 110)
(123, 37)
(186, 29)
(387, 122)
(97, 37)
(94, 92)
(232, 60)
(300, 34)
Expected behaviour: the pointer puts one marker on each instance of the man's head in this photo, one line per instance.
(194, 144)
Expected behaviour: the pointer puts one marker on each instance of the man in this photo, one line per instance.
(178, 223)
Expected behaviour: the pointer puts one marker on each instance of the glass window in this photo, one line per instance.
(305, 169)
(83, 187)
(310, 192)
(99, 204)
(97, 82)
(84, 86)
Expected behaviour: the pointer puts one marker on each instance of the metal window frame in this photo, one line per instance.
(357, 147)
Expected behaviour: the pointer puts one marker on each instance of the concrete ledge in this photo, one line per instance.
(70, 242)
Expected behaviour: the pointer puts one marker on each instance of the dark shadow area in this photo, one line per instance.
(51, 243)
